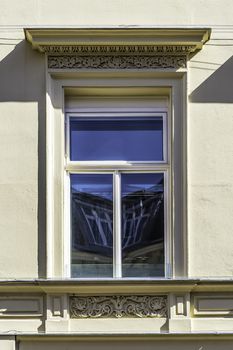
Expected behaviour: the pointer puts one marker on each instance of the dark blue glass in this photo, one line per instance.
(142, 198)
(127, 139)
(92, 227)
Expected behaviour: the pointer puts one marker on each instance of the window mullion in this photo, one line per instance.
(117, 261)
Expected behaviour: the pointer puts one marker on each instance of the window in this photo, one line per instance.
(117, 168)
(131, 62)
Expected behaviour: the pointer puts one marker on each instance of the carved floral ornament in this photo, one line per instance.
(117, 57)
(118, 306)
(116, 62)
(119, 48)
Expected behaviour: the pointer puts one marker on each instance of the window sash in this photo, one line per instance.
(110, 163)
(117, 221)
(116, 168)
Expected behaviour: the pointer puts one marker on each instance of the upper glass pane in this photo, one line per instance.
(121, 138)
(92, 216)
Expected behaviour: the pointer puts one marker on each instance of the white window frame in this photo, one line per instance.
(116, 168)
(172, 86)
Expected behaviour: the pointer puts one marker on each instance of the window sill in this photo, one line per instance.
(159, 285)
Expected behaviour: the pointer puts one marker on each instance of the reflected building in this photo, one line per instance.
(142, 228)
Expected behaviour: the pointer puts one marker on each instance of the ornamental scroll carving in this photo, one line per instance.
(118, 306)
(116, 62)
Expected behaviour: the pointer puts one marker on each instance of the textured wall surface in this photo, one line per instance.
(147, 345)
(112, 12)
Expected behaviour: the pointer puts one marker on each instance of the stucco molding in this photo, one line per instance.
(118, 306)
(40, 38)
(161, 286)
(118, 48)
(212, 305)
(21, 306)
(116, 62)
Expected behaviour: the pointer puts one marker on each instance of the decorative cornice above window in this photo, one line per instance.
(129, 48)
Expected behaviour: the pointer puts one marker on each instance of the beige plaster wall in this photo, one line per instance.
(210, 158)
(22, 174)
(129, 345)
(22, 131)
(116, 12)
(7, 343)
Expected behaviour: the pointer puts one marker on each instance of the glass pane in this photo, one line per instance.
(92, 228)
(142, 225)
(127, 139)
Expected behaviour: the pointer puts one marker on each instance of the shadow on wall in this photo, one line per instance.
(22, 74)
(218, 88)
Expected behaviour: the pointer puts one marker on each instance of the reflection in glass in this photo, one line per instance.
(142, 225)
(121, 138)
(92, 216)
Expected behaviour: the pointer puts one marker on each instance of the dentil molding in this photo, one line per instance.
(119, 49)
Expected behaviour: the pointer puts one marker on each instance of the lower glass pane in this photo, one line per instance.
(142, 225)
(92, 227)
